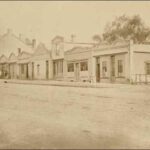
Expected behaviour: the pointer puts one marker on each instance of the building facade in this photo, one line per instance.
(41, 63)
(112, 63)
(58, 57)
(78, 64)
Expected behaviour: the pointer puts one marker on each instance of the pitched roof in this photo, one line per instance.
(24, 55)
(41, 49)
(71, 45)
(3, 59)
(10, 43)
(78, 49)
(117, 44)
(12, 58)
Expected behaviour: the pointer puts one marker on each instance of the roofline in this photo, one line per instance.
(5, 34)
(12, 53)
(79, 43)
(21, 41)
(111, 47)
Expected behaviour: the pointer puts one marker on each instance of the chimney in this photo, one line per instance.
(72, 37)
(33, 43)
(19, 51)
(9, 31)
(20, 36)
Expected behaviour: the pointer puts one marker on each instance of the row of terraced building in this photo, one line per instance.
(122, 61)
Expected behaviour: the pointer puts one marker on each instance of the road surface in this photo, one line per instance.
(34, 116)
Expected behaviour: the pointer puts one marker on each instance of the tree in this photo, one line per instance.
(126, 28)
(97, 39)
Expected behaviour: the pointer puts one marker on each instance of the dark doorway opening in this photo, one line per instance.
(97, 69)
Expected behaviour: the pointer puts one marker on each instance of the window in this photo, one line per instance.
(84, 66)
(148, 68)
(71, 67)
(120, 67)
(104, 68)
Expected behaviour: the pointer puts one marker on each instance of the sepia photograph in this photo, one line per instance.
(74, 74)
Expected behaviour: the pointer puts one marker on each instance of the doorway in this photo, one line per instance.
(97, 70)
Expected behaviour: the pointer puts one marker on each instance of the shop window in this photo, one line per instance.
(148, 68)
(84, 66)
(104, 68)
(71, 67)
(120, 68)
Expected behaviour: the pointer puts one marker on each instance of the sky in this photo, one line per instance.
(44, 20)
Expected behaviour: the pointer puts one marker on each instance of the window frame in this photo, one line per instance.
(85, 68)
(72, 67)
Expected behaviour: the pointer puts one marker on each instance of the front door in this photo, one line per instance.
(47, 69)
(77, 72)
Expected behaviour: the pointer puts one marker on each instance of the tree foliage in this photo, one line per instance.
(126, 28)
(97, 39)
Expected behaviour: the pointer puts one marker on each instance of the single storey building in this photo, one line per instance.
(122, 62)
